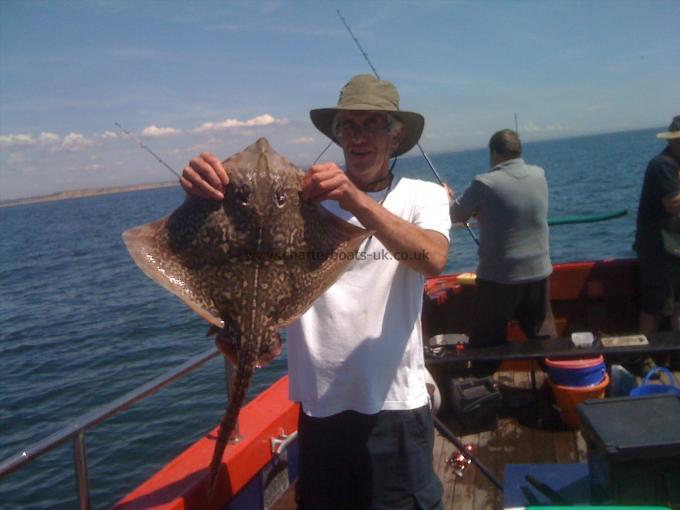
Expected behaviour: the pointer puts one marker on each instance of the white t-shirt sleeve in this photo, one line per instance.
(432, 209)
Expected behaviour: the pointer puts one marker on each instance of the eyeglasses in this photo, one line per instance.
(349, 131)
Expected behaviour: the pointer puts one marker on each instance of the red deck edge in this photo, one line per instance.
(182, 483)
(437, 284)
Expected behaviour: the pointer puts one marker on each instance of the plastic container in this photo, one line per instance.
(633, 449)
(649, 388)
(582, 338)
(568, 397)
(622, 381)
(580, 372)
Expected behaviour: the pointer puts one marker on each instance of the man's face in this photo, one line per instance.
(365, 141)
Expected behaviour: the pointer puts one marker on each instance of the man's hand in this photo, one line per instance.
(205, 177)
(422, 250)
(327, 181)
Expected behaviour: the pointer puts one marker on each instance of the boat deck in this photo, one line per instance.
(529, 433)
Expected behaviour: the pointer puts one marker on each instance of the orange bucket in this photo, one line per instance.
(568, 397)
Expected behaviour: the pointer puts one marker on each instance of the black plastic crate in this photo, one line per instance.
(475, 403)
(633, 449)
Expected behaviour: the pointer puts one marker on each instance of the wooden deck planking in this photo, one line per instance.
(485, 493)
(511, 443)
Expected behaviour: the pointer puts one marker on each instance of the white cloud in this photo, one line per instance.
(303, 140)
(47, 138)
(75, 142)
(261, 120)
(16, 140)
(156, 132)
(532, 127)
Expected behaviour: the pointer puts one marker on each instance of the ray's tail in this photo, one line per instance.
(244, 374)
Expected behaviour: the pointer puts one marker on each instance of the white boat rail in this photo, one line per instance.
(76, 430)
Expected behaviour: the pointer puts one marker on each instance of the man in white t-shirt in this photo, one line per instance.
(355, 357)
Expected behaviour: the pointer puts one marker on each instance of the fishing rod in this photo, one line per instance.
(139, 142)
(422, 151)
(438, 423)
(472, 234)
(322, 153)
(446, 432)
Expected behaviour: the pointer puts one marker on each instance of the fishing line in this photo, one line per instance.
(368, 61)
(440, 426)
(422, 151)
(139, 142)
(322, 153)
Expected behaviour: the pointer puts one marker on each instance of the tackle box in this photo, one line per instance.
(633, 449)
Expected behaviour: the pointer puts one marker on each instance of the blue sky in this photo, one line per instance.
(188, 76)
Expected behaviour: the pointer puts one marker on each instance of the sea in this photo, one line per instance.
(80, 325)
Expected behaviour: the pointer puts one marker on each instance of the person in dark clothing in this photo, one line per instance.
(658, 224)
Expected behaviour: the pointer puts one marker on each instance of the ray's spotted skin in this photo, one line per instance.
(248, 264)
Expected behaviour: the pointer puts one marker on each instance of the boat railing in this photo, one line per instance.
(76, 430)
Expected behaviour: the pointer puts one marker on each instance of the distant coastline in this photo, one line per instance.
(87, 192)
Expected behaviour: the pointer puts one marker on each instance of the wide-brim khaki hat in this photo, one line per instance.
(365, 92)
(673, 130)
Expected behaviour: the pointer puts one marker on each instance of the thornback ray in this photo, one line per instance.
(248, 264)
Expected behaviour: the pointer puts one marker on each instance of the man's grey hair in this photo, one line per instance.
(394, 125)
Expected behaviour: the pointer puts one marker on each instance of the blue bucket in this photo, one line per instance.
(576, 373)
(647, 388)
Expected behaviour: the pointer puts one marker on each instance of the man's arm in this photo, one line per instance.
(465, 206)
(425, 251)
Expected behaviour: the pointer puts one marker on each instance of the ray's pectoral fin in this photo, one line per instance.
(330, 246)
(150, 248)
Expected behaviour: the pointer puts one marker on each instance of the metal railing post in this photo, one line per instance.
(75, 430)
(82, 480)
